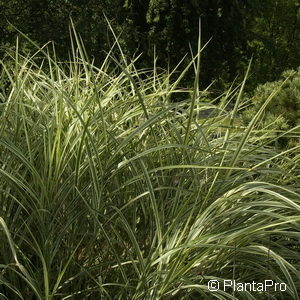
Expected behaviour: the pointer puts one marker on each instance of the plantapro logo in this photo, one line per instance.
(218, 285)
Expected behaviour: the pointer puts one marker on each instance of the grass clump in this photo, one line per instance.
(110, 191)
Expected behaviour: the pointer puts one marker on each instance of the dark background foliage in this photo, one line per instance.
(268, 30)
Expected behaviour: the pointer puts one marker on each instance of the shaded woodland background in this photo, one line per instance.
(268, 30)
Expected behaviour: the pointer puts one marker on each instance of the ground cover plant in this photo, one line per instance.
(109, 190)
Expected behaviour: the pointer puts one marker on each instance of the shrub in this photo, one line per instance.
(283, 112)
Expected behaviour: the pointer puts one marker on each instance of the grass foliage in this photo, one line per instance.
(109, 190)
